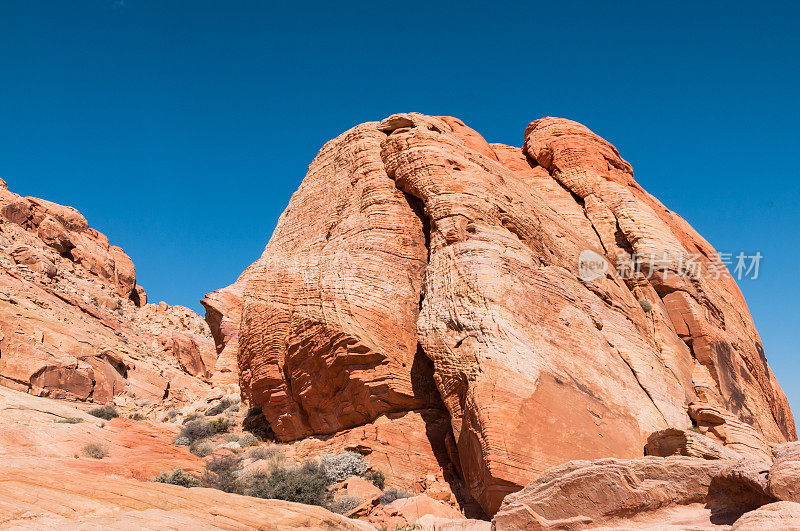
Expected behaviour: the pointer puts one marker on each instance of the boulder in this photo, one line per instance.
(783, 515)
(360, 488)
(674, 441)
(610, 492)
(723, 426)
(784, 476)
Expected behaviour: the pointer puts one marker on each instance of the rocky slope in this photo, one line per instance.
(47, 483)
(74, 324)
(422, 275)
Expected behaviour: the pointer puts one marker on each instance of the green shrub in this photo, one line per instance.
(222, 472)
(182, 441)
(191, 416)
(105, 412)
(646, 305)
(201, 449)
(94, 450)
(391, 494)
(220, 425)
(303, 484)
(345, 504)
(178, 477)
(220, 406)
(70, 420)
(341, 466)
(232, 437)
(196, 430)
(248, 439)
(376, 477)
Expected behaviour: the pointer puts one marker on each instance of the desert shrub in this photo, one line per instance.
(342, 466)
(221, 473)
(220, 425)
(695, 429)
(182, 441)
(137, 416)
(263, 453)
(70, 420)
(201, 449)
(248, 439)
(105, 412)
(196, 430)
(646, 305)
(302, 484)
(219, 407)
(376, 477)
(232, 437)
(171, 414)
(391, 494)
(191, 416)
(177, 477)
(94, 450)
(345, 504)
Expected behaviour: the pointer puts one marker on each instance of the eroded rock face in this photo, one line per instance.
(223, 315)
(419, 267)
(74, 324)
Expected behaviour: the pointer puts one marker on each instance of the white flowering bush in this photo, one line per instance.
(341, 466)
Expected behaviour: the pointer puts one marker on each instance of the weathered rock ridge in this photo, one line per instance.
(420, 268)
(74, 324)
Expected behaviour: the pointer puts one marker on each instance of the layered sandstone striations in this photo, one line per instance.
(419, 268)
(73, 322)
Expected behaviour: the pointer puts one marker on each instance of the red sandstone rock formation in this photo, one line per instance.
(784, 475)
(223, 314)
(639, 493)
(420, 268)
(779, 515)
(73, 322)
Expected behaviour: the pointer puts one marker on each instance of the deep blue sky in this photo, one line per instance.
(180, 129)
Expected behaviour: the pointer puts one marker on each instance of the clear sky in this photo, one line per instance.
(181, 128)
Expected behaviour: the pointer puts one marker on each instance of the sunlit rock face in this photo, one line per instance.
(420, 268)
(75, 325)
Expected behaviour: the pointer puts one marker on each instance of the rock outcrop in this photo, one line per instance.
(538, 295)
(784, 476)
(673, 441)
(617, 493)
(779, 515)
(223, 315)
(75, 325)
